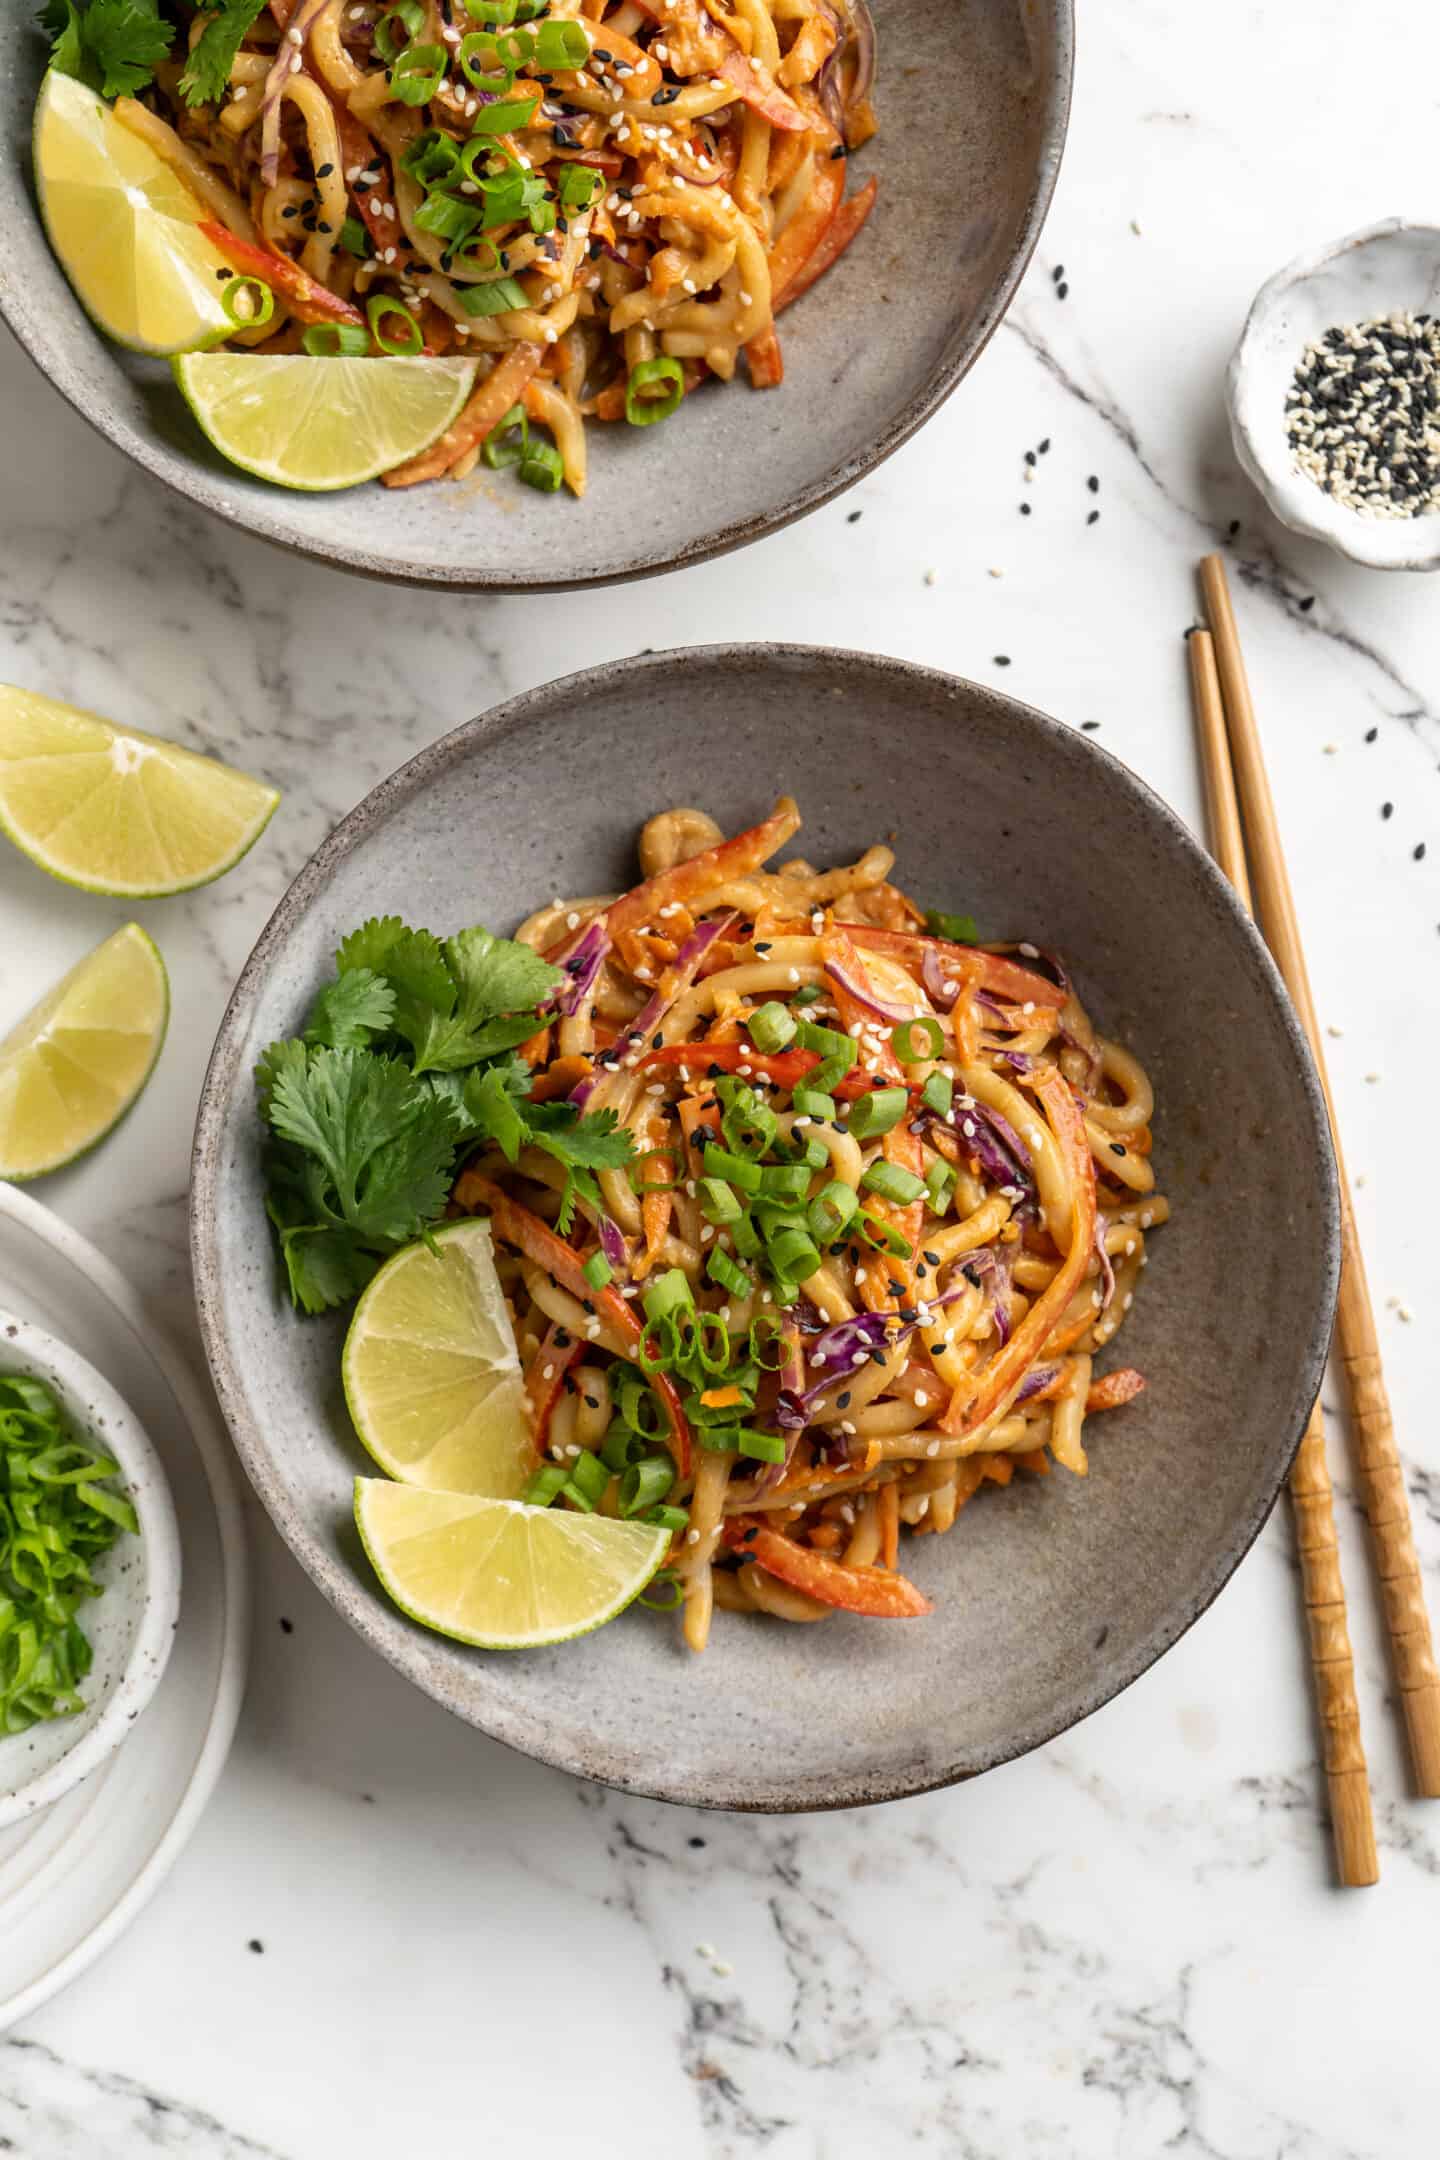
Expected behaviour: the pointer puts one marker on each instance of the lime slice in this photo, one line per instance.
(311, 423)
(499, 1573)
(74, 1065)
(125, 227)
(117, 811)
(431, 1372)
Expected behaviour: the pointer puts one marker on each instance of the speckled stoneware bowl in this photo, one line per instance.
(132, 1626)
(973, 98)
(1382, 270)
(1048, 1599)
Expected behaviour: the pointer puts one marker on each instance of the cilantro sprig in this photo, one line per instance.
(407, 1060)
(116, 45)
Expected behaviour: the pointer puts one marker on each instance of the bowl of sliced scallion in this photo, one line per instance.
(89, 1569)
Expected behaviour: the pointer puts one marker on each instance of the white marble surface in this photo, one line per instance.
(1127, 1944)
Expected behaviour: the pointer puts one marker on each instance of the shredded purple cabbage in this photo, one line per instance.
(863, 993)
(1038, 1377)
(943, 990)
(612, 1244)
(583, 966)
(680, 975)
(1107, 1272)
(994, 1143)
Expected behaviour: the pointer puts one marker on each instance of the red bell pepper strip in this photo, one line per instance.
(689, 881)
(1006, 978)
(758, 88)
(546, 1379)
(837, 236)
(1114, 1389)
(968, 1411)
(528, 1234)
(875, 1592)
(695, 1061)
(307, 299)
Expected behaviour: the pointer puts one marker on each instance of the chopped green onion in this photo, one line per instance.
(542, 467)
(793, 1255)
(590, 1474)
(878, 1113)
(723, 1270)
(747, 1124)
(813, 1153)
(500, 297)
(940, 1182)
(893, 1183)
(959, 929)
(547, 1483)
(772, 1027)
(407, 15)
(353, 237)
(431, 157)
(336, 341)
(489, 59)
(500, 119)
(501, 446)
(258, 307)
(379, 308)
(837, 1054)
(560, 45)
(669, 1293)
(938, 1094)
(787, 1181)
(807, 1103)
(645, 1484)
(474, 256)
(597, 1270)
(736, 1170)
(745, 1238)
(923, 1029)
(807, 994)
(760, 1446)
(670, 1587)
(418, 74)
(718, 1203)
(883, 1236)
(639, 1406)
(716, 1439)
(642, 407)
(578, 185)
(831, 1211)
(673, 1519)
(622, 1446)
(495, 11)
(446, 216)
(767, 1335)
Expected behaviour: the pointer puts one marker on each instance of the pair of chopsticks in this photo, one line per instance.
(1243, 828)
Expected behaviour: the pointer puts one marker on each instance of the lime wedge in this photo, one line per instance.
(499, 1573)
(125, 227)
(431, 1372)
(305, 422)
(74, 1065)
(117, 811)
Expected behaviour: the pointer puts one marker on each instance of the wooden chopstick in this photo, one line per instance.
(1331, 1660)
(1377, 1462)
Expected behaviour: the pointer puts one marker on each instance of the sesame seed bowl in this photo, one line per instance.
(1334, 395)
(972, 101)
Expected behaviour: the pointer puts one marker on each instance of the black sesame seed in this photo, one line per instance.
(1094, 518)
(1387, 809)
(287, 1627)
(1371, 733)
(1307, 604)
(1002, 659)
(1024, 509)
(1062, 292)
(854, 517)
(1089, 727)
(1418, 851)
(1093, 483)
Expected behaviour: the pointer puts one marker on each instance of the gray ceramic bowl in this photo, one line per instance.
(973, 101)
(1048, 1600)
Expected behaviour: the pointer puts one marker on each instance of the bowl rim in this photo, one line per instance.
(82, 1388)
(1054, 120)
(397, 1640)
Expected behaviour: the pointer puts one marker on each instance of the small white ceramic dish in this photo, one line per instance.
(1384, 268)
(132, 1625)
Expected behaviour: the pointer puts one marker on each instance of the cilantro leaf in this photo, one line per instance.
(207, 72)
(596, 1142)
(499, 975)
(351, 1011)
(472, 998)
(377, 1148)
(114, 46)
